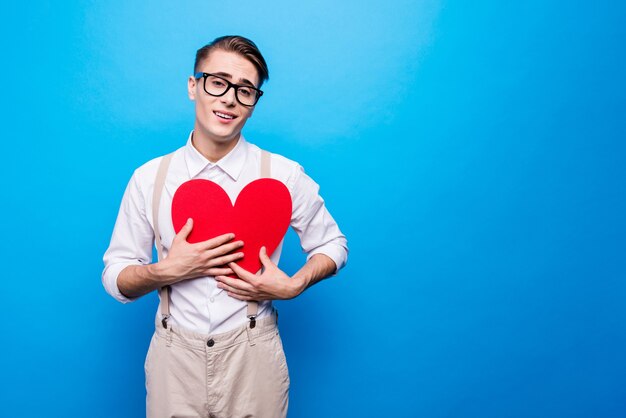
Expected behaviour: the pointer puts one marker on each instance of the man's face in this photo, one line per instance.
(220, 119)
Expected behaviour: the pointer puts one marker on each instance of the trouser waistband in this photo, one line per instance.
(215, 342)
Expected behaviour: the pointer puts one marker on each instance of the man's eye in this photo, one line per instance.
(245, 92)
(218, 83)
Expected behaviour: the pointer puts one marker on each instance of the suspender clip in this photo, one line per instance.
(164, 321)
(252, 320)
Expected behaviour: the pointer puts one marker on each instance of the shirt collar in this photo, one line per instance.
(232, 163)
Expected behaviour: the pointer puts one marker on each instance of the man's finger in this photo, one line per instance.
(234, 285)
(241, 272)
(219, 271)
(265, 259)
(224, 249)
(216, 241)
(225, 259)
(185, 230)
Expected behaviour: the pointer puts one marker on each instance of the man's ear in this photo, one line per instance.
(191, 87)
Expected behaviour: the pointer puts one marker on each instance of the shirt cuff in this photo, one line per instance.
(336, 252)
(109, 280)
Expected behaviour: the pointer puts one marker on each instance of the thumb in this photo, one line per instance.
(265, 259)
(185, 230)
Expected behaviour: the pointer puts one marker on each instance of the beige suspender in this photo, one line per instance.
(159, 183)
(266, 167)
(266, 164)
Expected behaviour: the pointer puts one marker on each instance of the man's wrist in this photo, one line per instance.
(159, 272)
(299, 284)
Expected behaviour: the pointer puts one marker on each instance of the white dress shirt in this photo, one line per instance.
(198, 304)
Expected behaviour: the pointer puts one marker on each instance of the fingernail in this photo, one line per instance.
(189, 220)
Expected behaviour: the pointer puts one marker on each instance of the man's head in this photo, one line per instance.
(239, 45)
(228, 74)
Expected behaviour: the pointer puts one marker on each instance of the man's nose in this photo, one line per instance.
(230, 96)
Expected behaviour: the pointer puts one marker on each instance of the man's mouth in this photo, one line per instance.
(222, 115)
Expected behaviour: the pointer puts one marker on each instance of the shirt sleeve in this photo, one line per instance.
(132, 239)
(318, 231)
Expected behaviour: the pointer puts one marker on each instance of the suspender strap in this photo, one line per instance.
(266, 164)
(159, 183)
(266, 169)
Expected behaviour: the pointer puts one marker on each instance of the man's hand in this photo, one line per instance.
(206, 258)
(272, 284)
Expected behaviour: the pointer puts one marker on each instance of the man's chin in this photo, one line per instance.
(221, 138)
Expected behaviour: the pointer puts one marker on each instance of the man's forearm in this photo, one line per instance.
(316, 269)
(135, 281)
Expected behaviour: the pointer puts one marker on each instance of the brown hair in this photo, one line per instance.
(239, 45)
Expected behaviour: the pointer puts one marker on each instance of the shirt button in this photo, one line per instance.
(210, 343)
(212, 300)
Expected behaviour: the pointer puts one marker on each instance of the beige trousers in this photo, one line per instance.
(240, 373)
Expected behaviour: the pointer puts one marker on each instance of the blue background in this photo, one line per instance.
(472, 152)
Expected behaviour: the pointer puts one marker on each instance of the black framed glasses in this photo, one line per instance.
(215, 85)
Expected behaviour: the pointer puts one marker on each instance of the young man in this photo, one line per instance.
(215, 351)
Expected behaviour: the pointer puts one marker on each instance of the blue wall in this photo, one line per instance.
(472, 152)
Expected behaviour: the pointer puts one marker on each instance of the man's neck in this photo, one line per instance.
(212, 150)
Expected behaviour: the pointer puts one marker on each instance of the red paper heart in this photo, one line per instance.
(260, 216)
